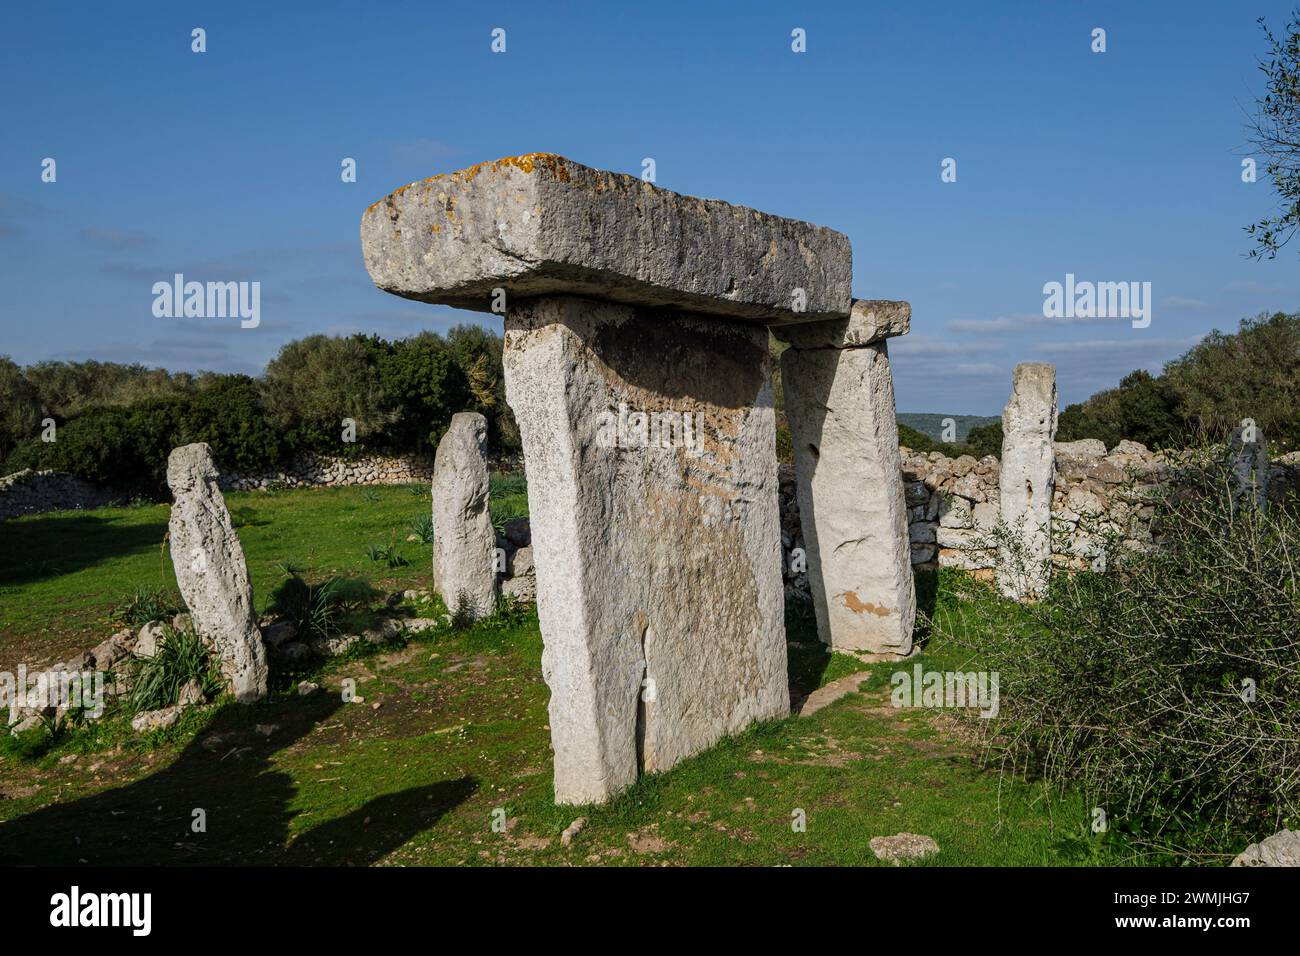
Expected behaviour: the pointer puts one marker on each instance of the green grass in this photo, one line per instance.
(63, 574)
(459, 738)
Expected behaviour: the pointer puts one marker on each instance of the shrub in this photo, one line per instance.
(317, 610)
(157, 681)
(422, 528)
(146, 604)
(1167, 685)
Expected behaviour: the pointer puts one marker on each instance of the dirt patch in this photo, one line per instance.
(645, 841)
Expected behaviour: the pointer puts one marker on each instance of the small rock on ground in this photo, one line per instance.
(903, 846)
(1281, 849)
(572, 830)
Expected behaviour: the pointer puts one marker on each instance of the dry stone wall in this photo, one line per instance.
(952, 506)
(30, 492)
(312, 470)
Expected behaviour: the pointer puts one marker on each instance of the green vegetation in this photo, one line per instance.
(932, 424)
(1165, 690)
(1204, 394)
(64, 575)
(116, 424)
(460, 732)
(157, 681)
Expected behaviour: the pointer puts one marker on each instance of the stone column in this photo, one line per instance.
(1027, 481)
(464, 542)
(637, 367)
(839, 400)
(650, 449)
(1248, 461)
(211, 572)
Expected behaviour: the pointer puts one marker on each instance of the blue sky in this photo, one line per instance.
(1115, 166)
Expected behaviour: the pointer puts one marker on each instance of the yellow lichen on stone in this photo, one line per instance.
(552, 163)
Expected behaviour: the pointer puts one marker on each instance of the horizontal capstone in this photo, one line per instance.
(543, 225)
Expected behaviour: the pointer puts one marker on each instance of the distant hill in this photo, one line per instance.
(932, 424)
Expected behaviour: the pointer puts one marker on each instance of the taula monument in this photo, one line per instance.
(657, 542)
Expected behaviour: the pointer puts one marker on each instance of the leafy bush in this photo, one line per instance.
(318, 610)
(1166, 686)
(147, 604)
(157, 681)
(422, 528)
(386, 553)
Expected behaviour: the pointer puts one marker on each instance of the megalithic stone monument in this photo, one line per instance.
(210, 570)
(464, 542)
(839, 400)
(1027, 481)
(637, 367)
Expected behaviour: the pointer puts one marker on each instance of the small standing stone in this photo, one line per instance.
(1027, 481)
(1248, 458)
(211, 572)
(464, 545)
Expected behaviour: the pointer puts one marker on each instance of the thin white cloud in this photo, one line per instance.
(1186, 304)
(116, 240)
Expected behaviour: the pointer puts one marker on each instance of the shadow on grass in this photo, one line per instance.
(226, 772)
(927, 599)
(53, 545)
(806, 656)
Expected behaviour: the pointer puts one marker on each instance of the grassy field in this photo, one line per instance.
(61, 574)
(446, 760)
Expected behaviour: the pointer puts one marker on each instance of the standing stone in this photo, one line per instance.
(1027, 482)
(636, 364)
(210, 570)
(839, 400)
(1248, 460)
(649, 444)
(464, 543)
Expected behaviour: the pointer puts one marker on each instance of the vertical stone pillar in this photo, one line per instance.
(637, 367)
(649, 443)
(839, 400)
(1248, 461)
(211, 572)
(464, 542)
(1027, 481)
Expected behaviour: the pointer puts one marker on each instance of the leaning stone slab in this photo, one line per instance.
(649, 445)
(211, 572)
(464, 542)
(540, 224)
(839, 400)
(1027, 481)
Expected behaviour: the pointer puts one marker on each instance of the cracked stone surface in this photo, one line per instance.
(464, 542)
(869, 321)
(853, 512)
(658, 564)
(1027, 481)
(210, 570)
(543, 225)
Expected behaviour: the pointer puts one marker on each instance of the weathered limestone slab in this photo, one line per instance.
(541, 224)
(211, 572)
(839, 400)
(649, 444)
(1027, 481)
(464, 542)
(869, 321)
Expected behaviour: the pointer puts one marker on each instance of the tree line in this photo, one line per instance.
(116, 424)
